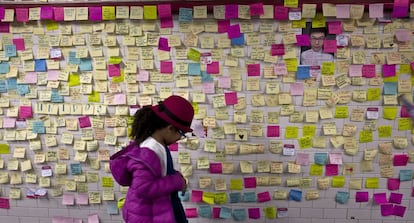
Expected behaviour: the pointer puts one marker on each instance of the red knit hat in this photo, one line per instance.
(177, 111)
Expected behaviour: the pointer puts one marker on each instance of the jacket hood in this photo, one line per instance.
(118, 165)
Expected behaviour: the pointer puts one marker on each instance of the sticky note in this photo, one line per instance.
(256, 9)
(338, 181)
(273, 131)
(238, 41)
(10, 51)
(193, 55)
(249, 197)
(388, 70)
(342, 197)
(236, 184)
(223, 25)
(108, 12)
(114, 70)
(395, 198)
(4, 67)
(4, 149)
(208, 197)
(316, 170)
(249, 182)
(166, 67)
(281, 12)
(185, 196)
(393, 183)
(196, 196)
(371, 183)
(164, 11)
(235, 197)
(185, 15)
(204, 211)
(406, 175)
(233, 31)
(331, 170)
(380, 198)
(19, 43)
(361, 196)
(22, 14)
(239, 214)
(277, 49)
(230, 98)
(253, 70)
(387, 209)
(39, 127)
(365, 136)
(150, 12)
(390, 88)
(254, 213)
(368, 70)
(75, 169)
(46, 12)
(303, 72)
(231, 11)
(329, 46)
(295, 195)
(95, 13)
(190, 212)
(74, 80)
(225, 213)
(263, 196)
(213, 67)
(399, 210)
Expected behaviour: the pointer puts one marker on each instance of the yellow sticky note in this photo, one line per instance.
(384, 131)
(94, 97)
(150, 12)
(309, 130)
(328, 68)
(341, 112)
(120, 78)
(371, 182)
(107, 182)
(115, 60)
(193, 55)
(291, 64)
(121, 202)
(390, 113)
(4, 149)
(391, 79)
(51, 25)
(405, 69)
(316, 170)
(74, 80)
(108, 12)
(236, 184)
(338, 181)
(291, 3)
(404, 124)
(195, 107)
(291, 132)
(220, 198)
(305, 142)
(373, 94)
(318, 21)
(208, 197)
(270, 212)
(296, 24)
(365, 136)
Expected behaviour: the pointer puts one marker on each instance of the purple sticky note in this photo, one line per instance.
(164, 11)
(393, 183)
(249, 182)
(335, 27)
(213, 67)
(273, 131)
(253, 70)
(277, 49)
(216, 168)
(163, 44)
(233, 31)
(256, 9)
(4, 203)
(329, 46)
(368, 70)
(4, 27)
(404, 113)
(166, 67)
(222, 26)
(25, 112)
(196, 196)
(388, 70)
(331, 170)
(380, 198)
(263, 196)
(46, 12)
(59, 14)
(400, 11)
(302, 40)
(95, 13)
(395, 198)
(216, 212)
(361, 196)
(230, 98)
(254, 213)
(114, 70)
(22, 14)
(166, 23)
(281, 12)
(400, 159)
(2, 12)
(387, 209)
(84, 122)
(412, 192)
(231, 11)
(19, 43)
(399, 210)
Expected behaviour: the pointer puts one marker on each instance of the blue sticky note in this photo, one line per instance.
(10, 51)
(204, 211)
(235, 197)
(72, 58)
(185, 196)
(303, 72)
(406, 175)
(205, 77)
(39, 127)
(4, 67)
(249, 197)
(75, 169)
(23, 89)
(390, 88)
(3, 86)
(238, 41)
(40, 65)
(11, 83)
(320, 158)
(295, 195)
(85, 64)
(112, 207)
(56, 97)
(194, 69)
(225, 212)
(239, 214)
(342, 197)
(185, 15)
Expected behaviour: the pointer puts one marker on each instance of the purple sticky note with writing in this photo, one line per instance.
(393, 183)
(281, 12)
(231, 11)
(254, 213)
(164, 11)
(273, 131)
(114, 70)
(361, 196)
(2, 12)
(387, 209)
(222, 26)
(230, 98)
(233, 31)
(256, 9)
(253, 70)
(196, 196)
(277, 49)
(302, 40)
(59, 13)
(163, 44)
(399, 210)
(4, 203)
(166, 67)
(334, 27)
(46, 12)
(331, 170)
(166, 23)
(22, 14)
(216, 168)
(395, 198)
(400, 159)
(249, 182)
(84, 122)
(263, 196)
(213, 67)
(388, 70)
(4, 27)
(95, 13)
(380, 198)
(329, 46)
(368, 70)
(399, 11)
(19, 43)
(216, 212)
(25, 112)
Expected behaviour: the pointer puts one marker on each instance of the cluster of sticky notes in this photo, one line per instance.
(238, 214)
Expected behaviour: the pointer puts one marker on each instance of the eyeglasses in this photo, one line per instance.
(318, 38)
(181, 133)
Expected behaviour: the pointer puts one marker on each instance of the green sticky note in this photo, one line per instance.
(390, 113)
(404, 124)
(51, 25)
(120, 78)
(4, 149)
(328, 68)
(236, 184)
(107, 182)
(374, 94)
(319, 21)
(74, 80)
(150, 12)
(384, 131)
(94, 97)
(316, 170)
(270, 212)
(115, 60)
(208, 197)
(108, 12)
(308, 130)
(305, 142)
(291, 132)
(291, 64)
(338, 181)
(291, 3)
(365, 136)
(371, 182)
(193, 55)
(220, 198)
(341, 112)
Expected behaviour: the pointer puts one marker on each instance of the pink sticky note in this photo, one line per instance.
(334, 27)
(114, 70)
(404, 113)
(208, 88)
(380, 198)
(93, 218)
(163, 44)
(52, 75)
(395, 198)
(9, 122)
(166, 23)
(387, 209)
(369, 70)
(302, 40)
(95, 13)
(224, 82)
(281, 12)
(402, 35)
(342, 11)
(173, 147)
(361, 196)
(22, 14)
(213, 67)
(59, 13)
(231, 11)
(253, 70)
(216, 212)
(82, 199)
(233, 31)
(46, 12)
(230, 98)
(296, 89)
(166, 67)
(329, 46)
(335, 158)
(84, 122)
(223, 25)
(256, 9)
(249, 182)
(355, 70)
(191, 212)
(263, 196)
(4, 203)
(216, 168)
(68, 199)
(280, 69)
(25, 112)
(164, 11)
(143, 76)
(254, 213)
(393, 183)
(302, 159)
(399, 210)
(196, 196)
(119, 99)
(388, 70)
(277, 50)
(2, 12)
(331, 170)
(400, 159)
(412, 192)
(30, 78)
(376, 10)
(4, 27)
(273, 131)
(19, 44)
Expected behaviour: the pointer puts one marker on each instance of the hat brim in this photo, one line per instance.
(166, 118)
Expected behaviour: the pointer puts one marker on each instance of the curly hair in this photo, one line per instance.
(145, 123)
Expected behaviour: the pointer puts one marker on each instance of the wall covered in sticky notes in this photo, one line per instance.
(297, 110)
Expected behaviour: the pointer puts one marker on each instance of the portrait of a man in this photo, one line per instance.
(314, 56)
